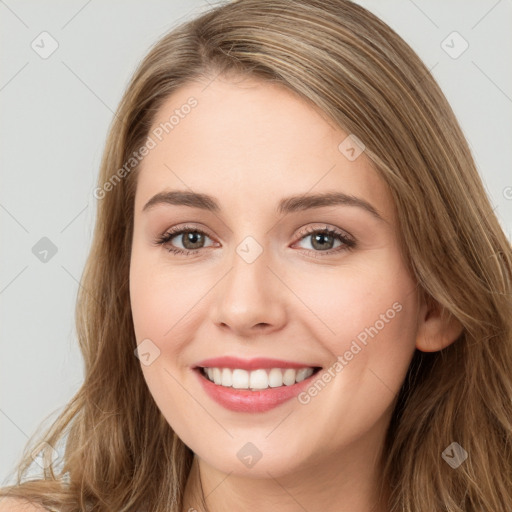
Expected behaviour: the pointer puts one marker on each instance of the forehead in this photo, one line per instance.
(251, 138)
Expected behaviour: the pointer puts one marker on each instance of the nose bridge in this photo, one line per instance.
(248, 296)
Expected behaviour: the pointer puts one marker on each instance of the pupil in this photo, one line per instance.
(321, 245)
(194, 238)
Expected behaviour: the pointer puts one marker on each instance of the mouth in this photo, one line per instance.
(254, 391)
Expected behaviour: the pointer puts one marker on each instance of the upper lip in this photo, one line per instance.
(250, 364)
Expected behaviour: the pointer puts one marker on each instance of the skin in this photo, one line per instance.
(249, 143)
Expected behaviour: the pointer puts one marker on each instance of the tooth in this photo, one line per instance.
(289, 376)
(275, 378)
(303, 373)
(217, 376)
(226, 377)
(240, 379)
(258, 379)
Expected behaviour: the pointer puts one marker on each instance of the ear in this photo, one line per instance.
(437, 328)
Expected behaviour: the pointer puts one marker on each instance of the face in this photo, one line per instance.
(311, 283)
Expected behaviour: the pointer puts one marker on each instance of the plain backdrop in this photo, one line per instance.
(55, 112)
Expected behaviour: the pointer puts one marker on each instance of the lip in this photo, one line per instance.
(251, 364)
(244, 400)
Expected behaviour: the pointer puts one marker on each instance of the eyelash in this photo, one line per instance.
(348, 242)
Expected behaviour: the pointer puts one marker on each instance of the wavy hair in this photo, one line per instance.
(120, 453)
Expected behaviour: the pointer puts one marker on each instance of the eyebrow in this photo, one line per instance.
(286, 205)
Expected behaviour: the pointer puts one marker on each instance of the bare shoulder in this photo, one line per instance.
(19, 505)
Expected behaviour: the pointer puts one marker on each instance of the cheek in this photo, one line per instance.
(159, 297)
(368, 318)
(371, 331)
(159, 304)
(357, 301)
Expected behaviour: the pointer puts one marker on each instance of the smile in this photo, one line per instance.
(259, 390)
(257, 379)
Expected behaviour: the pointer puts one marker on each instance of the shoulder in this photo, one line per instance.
(18, 505)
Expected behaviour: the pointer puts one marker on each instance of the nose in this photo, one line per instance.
(250, 300)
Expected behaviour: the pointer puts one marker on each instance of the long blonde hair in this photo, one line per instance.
(120, 454)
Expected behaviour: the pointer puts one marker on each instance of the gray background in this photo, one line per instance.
(55, 113)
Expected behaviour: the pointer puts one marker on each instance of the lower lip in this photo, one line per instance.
(244, 400)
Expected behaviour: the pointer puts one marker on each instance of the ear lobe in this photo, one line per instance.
(437, 328)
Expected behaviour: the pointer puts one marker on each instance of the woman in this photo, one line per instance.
(373, 375)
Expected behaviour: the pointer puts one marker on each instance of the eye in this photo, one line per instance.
(193, 239)
(324, 238)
